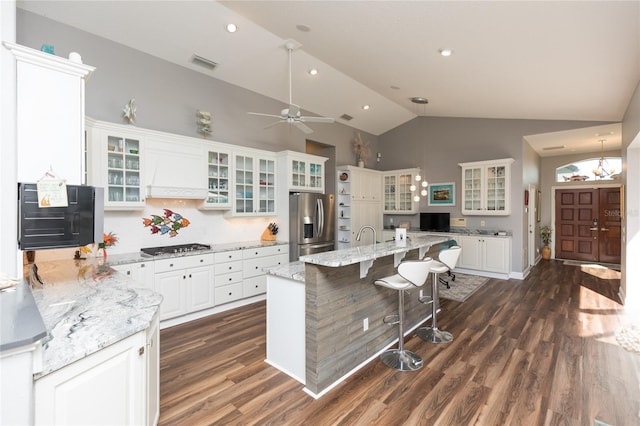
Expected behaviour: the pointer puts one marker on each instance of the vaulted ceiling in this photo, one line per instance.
(516, 60)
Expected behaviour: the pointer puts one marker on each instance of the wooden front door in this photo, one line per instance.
(588, 224)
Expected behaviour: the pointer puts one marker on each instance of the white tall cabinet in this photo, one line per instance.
(359, 203)
(49, 115)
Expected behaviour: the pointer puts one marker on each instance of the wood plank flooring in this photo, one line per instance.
(536, 352)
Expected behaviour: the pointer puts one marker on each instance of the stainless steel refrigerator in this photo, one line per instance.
(311, 224)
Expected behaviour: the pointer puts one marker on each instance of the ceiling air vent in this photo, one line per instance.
(346, 117)
(204, 62)
(552, 148)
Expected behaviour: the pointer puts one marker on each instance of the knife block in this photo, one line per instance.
(267, 235)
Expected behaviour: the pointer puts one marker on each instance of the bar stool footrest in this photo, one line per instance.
(392, 319)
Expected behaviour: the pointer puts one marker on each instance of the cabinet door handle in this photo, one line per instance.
(201, 260)
(189, 275)
(230, 267)
(184, 277)
(171, 265)
(141, 351)
(230, 279)
(142, 265)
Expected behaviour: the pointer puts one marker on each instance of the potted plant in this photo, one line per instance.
(545, 236)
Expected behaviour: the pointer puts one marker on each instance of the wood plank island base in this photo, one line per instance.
(325, 315)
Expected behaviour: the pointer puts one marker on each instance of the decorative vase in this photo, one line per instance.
(546, 252)
(101, 255)
(360, 163)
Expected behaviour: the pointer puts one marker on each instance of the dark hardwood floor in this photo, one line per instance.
(536, 352)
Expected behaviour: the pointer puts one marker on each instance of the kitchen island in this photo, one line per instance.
(325, 314)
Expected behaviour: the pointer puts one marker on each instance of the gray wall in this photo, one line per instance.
(168, 96)
(437, 145)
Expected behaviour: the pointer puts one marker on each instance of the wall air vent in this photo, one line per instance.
(346, 117)
(204, 62)
(552, 148)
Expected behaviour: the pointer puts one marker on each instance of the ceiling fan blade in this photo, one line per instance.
(317, 119)
(265, 115)
(294, 110)
(274, 124)
(303, 127)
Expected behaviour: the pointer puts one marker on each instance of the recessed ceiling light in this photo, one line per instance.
(419, 100)
(365, 107)
(232, 28)
(313, 71)
(445, 52)
(303, 28)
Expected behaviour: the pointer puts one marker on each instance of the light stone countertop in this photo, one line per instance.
(293, 271)
(353, 255)
(85, 307)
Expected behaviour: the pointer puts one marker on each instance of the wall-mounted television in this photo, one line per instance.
(438, 222)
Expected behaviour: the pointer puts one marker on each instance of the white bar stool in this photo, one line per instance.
(448, 259)
(410, 273)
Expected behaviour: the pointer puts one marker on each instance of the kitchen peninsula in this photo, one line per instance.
(100, 355)
(325, 315)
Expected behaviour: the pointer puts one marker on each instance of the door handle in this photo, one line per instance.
(593, 229)
(604, 229)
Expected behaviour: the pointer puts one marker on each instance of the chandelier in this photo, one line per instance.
(418, 100)
(600, 171)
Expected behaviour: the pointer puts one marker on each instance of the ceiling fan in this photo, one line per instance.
(291, 115)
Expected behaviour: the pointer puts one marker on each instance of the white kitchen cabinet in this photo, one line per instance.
(304, 172)
(486, 187)
(254, 184)
(186, 284)
(359, 203)
(254, 262)
(218, 179)
(396, 192)
(485, 253)
(107, 387)
(153, 373)
(141, 272)
(228, 276)
(115, 163)
(49, 115)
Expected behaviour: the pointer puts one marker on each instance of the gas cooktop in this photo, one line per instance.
(177, 249)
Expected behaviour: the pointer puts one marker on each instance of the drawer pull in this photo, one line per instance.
(230, 279)
(201, 260)
(128, 272)
(143, 265)
(171, 265)
(189, 275)
(230, 267)
(184, 277)
(230, 293)
(256, 267)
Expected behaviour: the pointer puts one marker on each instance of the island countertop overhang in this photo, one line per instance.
(344, 257)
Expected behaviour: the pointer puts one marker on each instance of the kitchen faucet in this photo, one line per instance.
(375, 238)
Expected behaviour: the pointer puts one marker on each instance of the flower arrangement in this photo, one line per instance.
(108, 240)
(545, 234)
(361, 148)
(170, 222)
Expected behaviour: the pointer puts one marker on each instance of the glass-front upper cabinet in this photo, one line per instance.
(218, 180)
(254, 185)
(303, 172)
(485, 187)
(115, 163)
(396, 191)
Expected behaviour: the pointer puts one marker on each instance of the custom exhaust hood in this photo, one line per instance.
(175, 171)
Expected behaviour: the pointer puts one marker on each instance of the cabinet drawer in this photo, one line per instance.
(254, 267)
(254, 286)
(228, 293)
(228, 267)
(228, 256)
(184, 262)
(225, 279)
(265, 251)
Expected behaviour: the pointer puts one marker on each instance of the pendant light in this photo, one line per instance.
(418, 100)
(600, 171)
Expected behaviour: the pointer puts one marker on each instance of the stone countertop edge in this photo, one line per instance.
(20, 320)
(353, 255)
(128, 258)
(293, 271)
(86, 307)
(459, 231)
